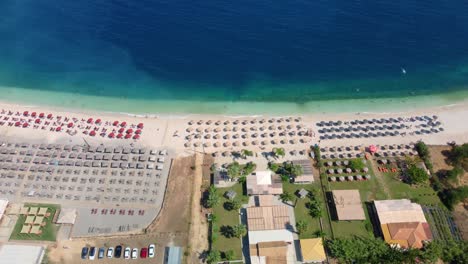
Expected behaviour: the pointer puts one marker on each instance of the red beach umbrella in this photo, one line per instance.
(136, 136)
(138, 132)
(129, 131)
(123, 124)
(25, 113)
(33, 114)
(49, 116)
(121, 130)
(119, 136)
(372, 148)
(90, 120)
(112, 135)
(70, 124)
(98, 121)
(41, 115)
(128, 136)
(38, 121)
(140, 125)
(58, 129)
(92, 133)
(116, 123)
(17, 124)
(25, 125)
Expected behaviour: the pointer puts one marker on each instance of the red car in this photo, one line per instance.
(144, 253)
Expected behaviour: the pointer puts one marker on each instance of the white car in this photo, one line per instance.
(135, 253)
(127, 253)
(151, 250)
(110, 252)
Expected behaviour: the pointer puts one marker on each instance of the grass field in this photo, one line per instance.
(48, 231)
(228, 218)
(302, 213)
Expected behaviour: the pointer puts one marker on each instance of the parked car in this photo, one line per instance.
(151, 250)
(110, 252)
(143, 253)
(135, 253)
(84, 252)
(127, 253)
(101, 253)
(92, 253)
(118, 251)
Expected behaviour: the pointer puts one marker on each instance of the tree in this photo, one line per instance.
(358, 249)
(319, 233)
(213, 197)
(213, 167)
(286, 197)
(234, 170)
(246, 153)
(315, 209)
(233, 205)
(459, 155)
(227, 231)
(302, 226)
(356, 164)
(248, 168)
(454, 173)
(213, 257)
(455, 251)
(296, 170)
(416, 175)
(451, 197)
(279, 152)
(432, 251)
(213, 218)
(273, 166)
(229, 255)
(239, 230)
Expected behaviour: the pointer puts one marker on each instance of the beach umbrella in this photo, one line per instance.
(58, 129)
(208, 122)
(200, 122)
(272, 127)
(227, 144)
(199, 129)
(18, 124)
(92, 133)
(129, 131)
(190, 122)
(111, 135)
(127, 136)
(119, 135)
(25, 113)
(236, 143)
(217, 144)
(331, 171)
(227, 129)
(197, 136)
(272, 120)
(274, 141)
(38, 121)
(350, 178)
(208, 136)
(227, 122)
(116, 123)
(189, 129)
(253, 121)
(123, 124)
(226, 153)
(217, 136)
(49, 116)
(332, 179)
(41, 115)
(98, 121)
(265, 142)
(121, 130)
(217, 129)
(235, 136)
(196, 144)
(70, 124)
(187, 144)
(264, 135)
(339, 171)
(255, 142)
(236, 122)
(245, 143)
(136, 136)
(25, 124)
(235, 129)
(33, 114)
(218, 123)
(281, 127)
(207, 144)
(349, 170)
(138, 132)
(90, 120)
(227, 136)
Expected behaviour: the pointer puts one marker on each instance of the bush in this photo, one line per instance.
(416, 175)
(423, 152)
(356, 164)
(451, 197)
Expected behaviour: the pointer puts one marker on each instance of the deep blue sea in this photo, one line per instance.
(294, 51)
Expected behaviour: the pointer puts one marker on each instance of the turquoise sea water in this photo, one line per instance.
(241, 57)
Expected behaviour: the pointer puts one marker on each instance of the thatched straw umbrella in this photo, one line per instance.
(208, 129)
(199, 129)
(217, 145)
(265, 142)
(218, 122)
(209, 122)
(235, 136)
(187, 144)
(245, 135)
(217, 130)
(236, 122)
(272, 127)
(235, 129)
(197, 136)
(227, 144)
(284, 141)
(191, 122)
(226, 129)
(227, 136)
(196, 144)
(189, 129)
(236, 143)
(226, 153)
(255, 142)
(227, 122)
(217, 136)
(253, 121)
(254, 135)
(208, 136)
(254, 128)
(200, 122)
(245, 143)
(281, 127)
(207, 144)
(274, 141)
(262, 128)
(244, 129)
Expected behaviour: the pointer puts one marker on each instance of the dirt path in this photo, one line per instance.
(199, 227)
(379, 176)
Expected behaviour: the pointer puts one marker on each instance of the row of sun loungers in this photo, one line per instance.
(246, 121)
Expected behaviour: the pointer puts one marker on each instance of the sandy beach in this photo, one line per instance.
(217, 133)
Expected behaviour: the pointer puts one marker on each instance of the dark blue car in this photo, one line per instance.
(84, 252)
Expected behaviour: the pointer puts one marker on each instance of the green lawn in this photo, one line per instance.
(229, 218)
(48, 231)
(422, 193)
